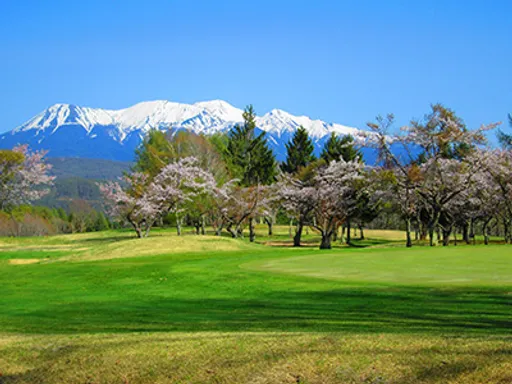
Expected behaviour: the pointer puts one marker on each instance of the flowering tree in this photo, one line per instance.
(298, 199)
(335, 196)
(23, 176)
(133, 202)
(443, 170)
(179, 184)
(497, 166)
(220, 207)
(143, 201)
(242, 205)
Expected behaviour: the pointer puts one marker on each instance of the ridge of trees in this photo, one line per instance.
(455, 184)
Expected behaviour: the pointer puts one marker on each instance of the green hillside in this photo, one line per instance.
(97, 169)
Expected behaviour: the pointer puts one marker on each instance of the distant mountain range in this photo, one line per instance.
(67, 130)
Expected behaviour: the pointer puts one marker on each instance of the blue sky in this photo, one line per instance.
(340, 61)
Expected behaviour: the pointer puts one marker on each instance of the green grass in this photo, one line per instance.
(446, 266)
(414, 315)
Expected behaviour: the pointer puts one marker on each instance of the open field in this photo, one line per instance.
(108, 308)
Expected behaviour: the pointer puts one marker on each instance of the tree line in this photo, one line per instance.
(445, 180)
(24, 178)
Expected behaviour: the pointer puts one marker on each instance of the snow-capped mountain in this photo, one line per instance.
(69, 130)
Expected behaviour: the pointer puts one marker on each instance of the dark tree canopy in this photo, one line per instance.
(299, 151)
(505, 138)
(340, 147)
(248, 154)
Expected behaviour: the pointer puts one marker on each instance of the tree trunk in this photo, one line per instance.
(361, 232)
(252, 234)
(349, 239)
(298, 234)
(465, 233)
(232, 231)
(342, 237)
(270, 224)
(423, 230)
(326, 240)
(408, 243)
(178, 225)
(239, 230)
(431, 235)
(472, 231)
(432, 228)
(486, 232)
(506, 231)
(290, 229)
(335, 233)
(203, 226)
(446, 236)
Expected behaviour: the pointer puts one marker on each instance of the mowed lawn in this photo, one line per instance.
(106, 307)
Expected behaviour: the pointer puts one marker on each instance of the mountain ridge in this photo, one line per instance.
(70, 130)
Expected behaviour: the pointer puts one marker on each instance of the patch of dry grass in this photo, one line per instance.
(254, 358)
(23, 261)
(115, 245)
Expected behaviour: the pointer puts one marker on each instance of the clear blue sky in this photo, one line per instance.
(341, 61)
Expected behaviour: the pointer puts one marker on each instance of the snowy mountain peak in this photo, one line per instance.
(221, 109)
(68, 130)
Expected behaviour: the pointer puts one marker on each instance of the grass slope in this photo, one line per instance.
(358, 315)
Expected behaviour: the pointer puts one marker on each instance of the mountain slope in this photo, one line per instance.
(67, 130)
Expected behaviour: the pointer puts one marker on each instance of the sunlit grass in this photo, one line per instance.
(109, 308)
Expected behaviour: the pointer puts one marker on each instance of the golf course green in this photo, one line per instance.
(98, 307)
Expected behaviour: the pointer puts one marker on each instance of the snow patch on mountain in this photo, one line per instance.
(66, 128)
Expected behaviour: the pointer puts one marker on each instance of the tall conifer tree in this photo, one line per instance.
(340, 147)
(248, 154)
(505, 138)
(299, 151)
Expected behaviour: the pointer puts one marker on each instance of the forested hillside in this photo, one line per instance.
(63, 167)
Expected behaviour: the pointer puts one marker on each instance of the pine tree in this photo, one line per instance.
(101, 223)
(340, 147)
(248, 154)
(299, 151)
(505, 138)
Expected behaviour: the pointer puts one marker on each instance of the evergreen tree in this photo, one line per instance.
(504, 138)
(101, 223)
(340, 147)
(299, 151)
(248, 155)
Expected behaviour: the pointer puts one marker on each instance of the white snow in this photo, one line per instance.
(202, 117)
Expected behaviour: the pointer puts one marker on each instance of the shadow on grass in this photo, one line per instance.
(353, 309)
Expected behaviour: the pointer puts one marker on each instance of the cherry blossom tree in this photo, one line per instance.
(298, 198)
(133, 202)
(497, 165)
(335, 196)
(142, 201)
(23, 176)
(243, 205)
(220, 207)
(443, 170)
